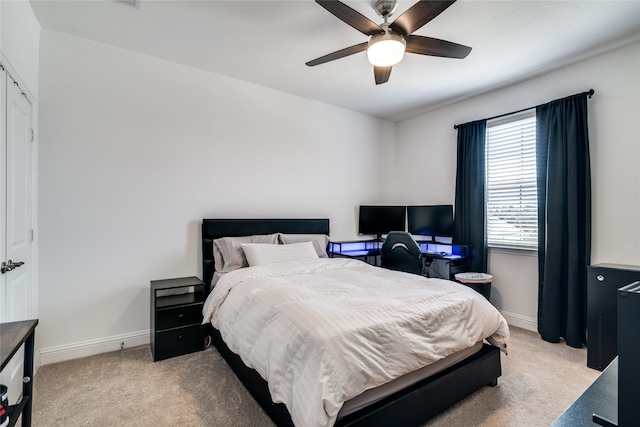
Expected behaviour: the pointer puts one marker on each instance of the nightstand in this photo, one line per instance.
(176, 317)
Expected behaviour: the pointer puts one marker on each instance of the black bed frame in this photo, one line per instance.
(408, 407)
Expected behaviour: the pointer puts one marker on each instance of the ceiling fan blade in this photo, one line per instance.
(339, 54)
(382, 74)
(350, 16)
(436, 47)
(418, 15)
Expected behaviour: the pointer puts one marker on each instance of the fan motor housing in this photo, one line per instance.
(386, 8)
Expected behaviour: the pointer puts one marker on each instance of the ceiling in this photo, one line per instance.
(268, 42)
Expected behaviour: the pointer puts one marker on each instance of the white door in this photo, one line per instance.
(15, 212)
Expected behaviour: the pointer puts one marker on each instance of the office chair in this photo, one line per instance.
(401, 252)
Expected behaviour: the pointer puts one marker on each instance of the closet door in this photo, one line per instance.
(3, 191)
(15, 159)
(17, 209)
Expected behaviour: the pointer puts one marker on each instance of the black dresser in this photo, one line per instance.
(600, 398)
(603, 281)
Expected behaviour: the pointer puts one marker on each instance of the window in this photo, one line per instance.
(512, 207)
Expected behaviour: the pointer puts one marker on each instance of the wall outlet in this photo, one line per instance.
(121, 345)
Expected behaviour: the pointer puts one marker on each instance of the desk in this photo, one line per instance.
(12, 336)
(454, 258)
(367, 250)
(600, 398)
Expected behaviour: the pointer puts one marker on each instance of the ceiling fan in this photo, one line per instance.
(389, 41)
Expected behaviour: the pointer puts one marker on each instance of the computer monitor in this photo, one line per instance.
(432, 220)
(379, 220)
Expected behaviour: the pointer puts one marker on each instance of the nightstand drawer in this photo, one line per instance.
(178, 316)
(179, 337)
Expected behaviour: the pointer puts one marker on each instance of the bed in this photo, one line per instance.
(410, 404)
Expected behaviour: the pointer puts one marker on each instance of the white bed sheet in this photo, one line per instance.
(323, 331)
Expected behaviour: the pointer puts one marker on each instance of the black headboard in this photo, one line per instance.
(216, 228)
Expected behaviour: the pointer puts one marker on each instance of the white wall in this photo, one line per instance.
(426, 156)
(135, 151)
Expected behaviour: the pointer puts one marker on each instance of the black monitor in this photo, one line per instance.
(434, 220)
(379, 220)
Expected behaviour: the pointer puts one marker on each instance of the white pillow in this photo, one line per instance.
(262, 254)
(320, 241)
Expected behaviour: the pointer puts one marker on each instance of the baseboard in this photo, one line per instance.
(89, 348)
(520, 321)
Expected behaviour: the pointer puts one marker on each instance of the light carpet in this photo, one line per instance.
(126, 388)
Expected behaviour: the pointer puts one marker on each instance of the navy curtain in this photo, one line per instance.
(564, 218)
(469, 221)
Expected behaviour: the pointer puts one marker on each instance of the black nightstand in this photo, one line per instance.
(176, 317)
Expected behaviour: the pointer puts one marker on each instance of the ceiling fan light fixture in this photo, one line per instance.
(386, 49)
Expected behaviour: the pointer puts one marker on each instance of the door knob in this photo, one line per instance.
(9, 265)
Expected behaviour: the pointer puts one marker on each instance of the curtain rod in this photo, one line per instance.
(589, 93)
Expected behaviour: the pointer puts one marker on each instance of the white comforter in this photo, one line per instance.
(323, 331)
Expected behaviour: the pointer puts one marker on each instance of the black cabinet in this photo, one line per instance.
(603, 281)
(176, 317)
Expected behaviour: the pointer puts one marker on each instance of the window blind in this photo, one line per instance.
(512, 213)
